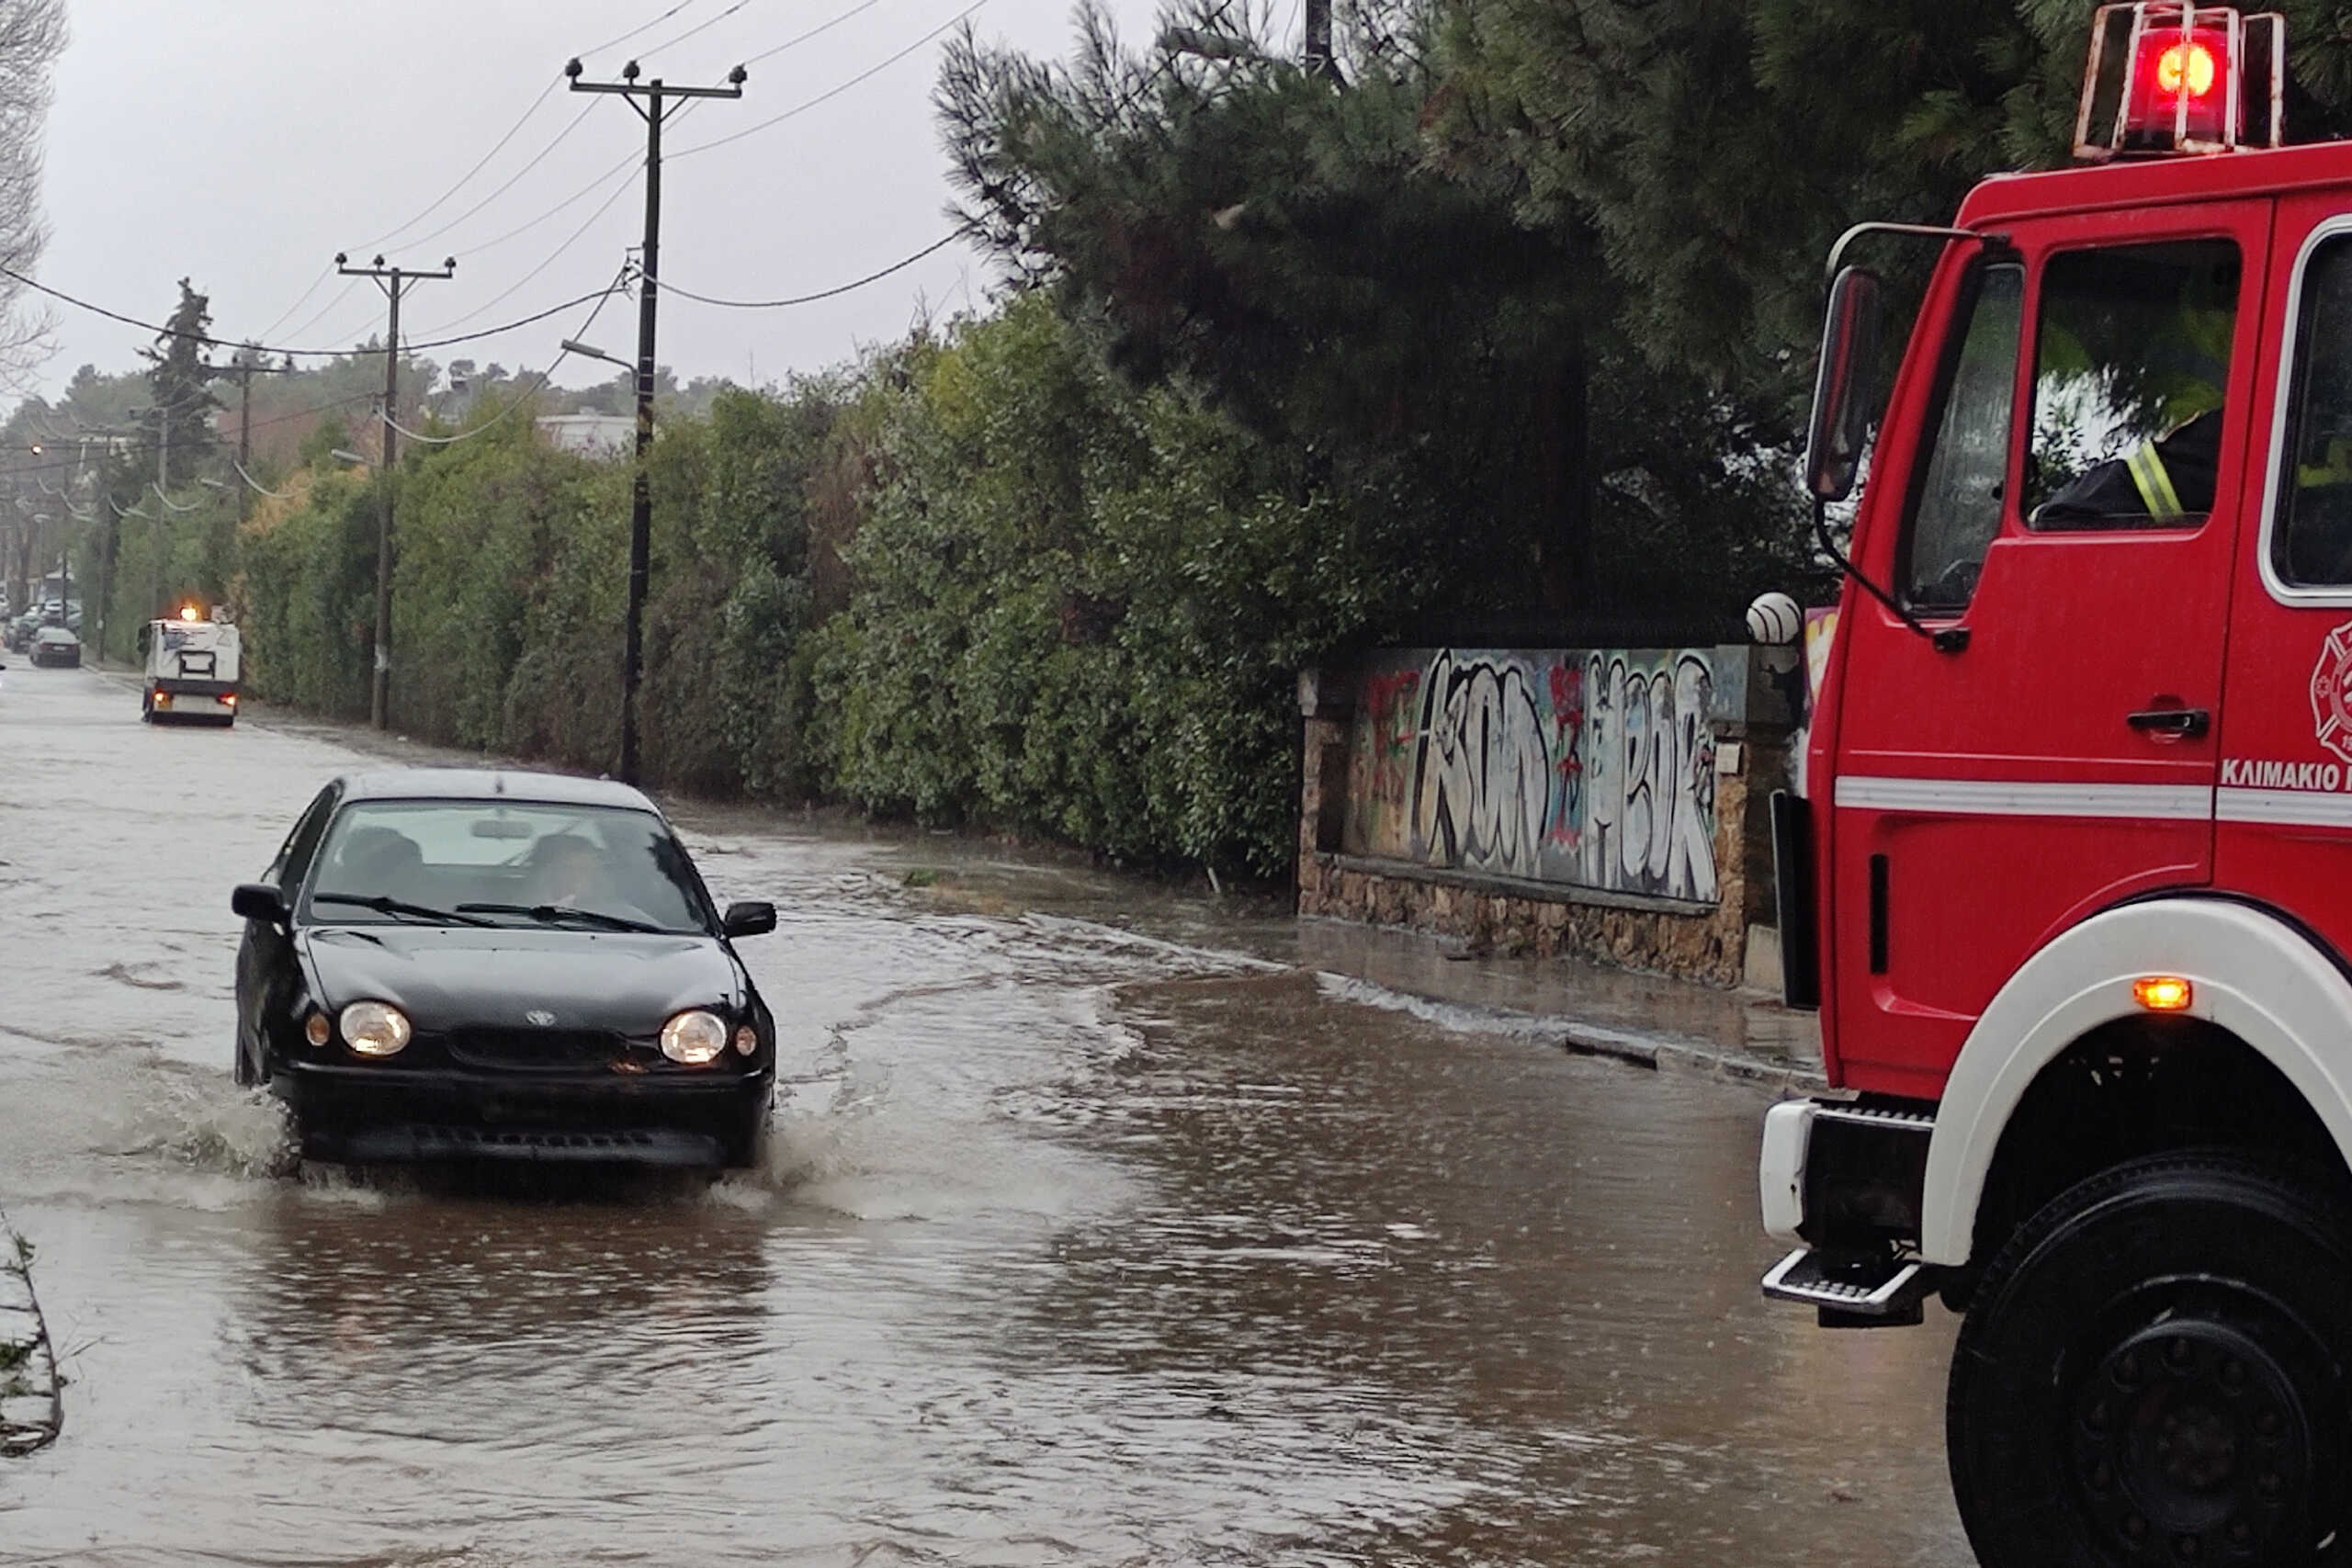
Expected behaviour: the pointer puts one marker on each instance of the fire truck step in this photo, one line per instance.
(1852, 1292)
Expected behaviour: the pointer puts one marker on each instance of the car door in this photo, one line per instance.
(2055, 752)
(2284, 834)
(268, 967)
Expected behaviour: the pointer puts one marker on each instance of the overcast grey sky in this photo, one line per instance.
(240, 143)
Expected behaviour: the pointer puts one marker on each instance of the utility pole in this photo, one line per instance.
(163, 499)
(1319, 38)
(653, 111)
(392, 280)
(244, 370)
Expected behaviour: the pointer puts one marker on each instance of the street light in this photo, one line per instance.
(573, 346)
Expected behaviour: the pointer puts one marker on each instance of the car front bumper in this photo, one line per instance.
(367, 1113)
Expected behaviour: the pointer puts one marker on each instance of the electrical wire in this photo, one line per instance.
(169, 505)
(258, 486)
(697, 27)
(666, 286)
(831, 93)
(324, 273)
(820, 27)
(641, 28)
(483, 161)
(521, 398)
(556, 255)
(134, 512)
(146, 449)
(584, 191)
(537, 159)
(206, 338)
(327, 310)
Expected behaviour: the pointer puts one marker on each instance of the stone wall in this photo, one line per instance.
(1380, 841)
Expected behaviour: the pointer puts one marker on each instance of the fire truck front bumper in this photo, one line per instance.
(1842, 1181)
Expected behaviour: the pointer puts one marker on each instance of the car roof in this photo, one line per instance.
(56, 634)
(517, 784)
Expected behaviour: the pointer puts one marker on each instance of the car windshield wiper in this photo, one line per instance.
(384, 906)
(550, 913)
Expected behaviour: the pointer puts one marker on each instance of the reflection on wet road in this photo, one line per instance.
(1074, 1244)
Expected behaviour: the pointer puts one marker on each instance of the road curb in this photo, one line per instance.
(1581, 1037)
(1691, 1057)
(32, 1407)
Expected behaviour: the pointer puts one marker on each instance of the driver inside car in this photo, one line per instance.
(2163, 481)
(569, 872)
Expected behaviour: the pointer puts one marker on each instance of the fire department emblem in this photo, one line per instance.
(2331, 692)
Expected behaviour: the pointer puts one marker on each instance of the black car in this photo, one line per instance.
(460, 964)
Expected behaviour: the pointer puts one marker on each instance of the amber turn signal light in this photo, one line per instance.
(2163, 993)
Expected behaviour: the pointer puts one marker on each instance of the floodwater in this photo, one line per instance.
(1091, 1231)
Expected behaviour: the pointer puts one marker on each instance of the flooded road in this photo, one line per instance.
(1091, 1231)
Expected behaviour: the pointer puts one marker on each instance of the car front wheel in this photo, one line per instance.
(2154, 1369)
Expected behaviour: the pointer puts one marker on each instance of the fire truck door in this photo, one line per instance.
(2285, 801)
(2058, 510)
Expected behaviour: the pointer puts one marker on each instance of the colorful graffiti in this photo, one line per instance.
(1590, 767)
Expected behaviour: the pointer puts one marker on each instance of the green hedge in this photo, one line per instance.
(974, 581)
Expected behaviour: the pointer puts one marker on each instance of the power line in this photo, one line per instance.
(327, 310)
(520, 398)
(324, 274)
(257, 485)
(143, 447)
(812, 32)
(588, 189)
(606, 206)
(483, 161)
(832, 93)
(217, 342)
(939, 244)
(697, 27)
(537, 159)
(641, 28)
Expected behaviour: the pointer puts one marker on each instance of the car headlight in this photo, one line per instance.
(375, 1029)
(694, 1038)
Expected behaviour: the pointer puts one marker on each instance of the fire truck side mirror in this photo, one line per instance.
(1842, 400)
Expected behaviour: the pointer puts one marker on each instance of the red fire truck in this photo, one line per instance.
(2071, 881)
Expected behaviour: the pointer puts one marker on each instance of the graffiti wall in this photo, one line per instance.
(1590, 767)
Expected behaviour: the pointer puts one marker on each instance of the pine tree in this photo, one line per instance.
(1716, 147)
(179, 380)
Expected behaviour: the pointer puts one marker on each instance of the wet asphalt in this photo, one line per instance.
(1095, 1227)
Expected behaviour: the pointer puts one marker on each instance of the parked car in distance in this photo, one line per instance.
(55, 646)
(461, 964)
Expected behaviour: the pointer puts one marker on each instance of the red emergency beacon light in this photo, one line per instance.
(2168, 77)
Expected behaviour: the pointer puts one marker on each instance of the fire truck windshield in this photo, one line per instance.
(2132, 354)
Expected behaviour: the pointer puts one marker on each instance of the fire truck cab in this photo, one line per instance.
(2071, 882)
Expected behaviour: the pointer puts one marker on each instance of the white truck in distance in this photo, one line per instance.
(192, 672)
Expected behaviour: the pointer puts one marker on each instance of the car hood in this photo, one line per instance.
(448, 978)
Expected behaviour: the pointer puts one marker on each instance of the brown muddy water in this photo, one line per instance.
(1092, 1230)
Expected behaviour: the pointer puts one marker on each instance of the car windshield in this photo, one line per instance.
(504, 862)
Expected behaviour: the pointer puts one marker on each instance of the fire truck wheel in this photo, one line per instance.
(2154, 1369)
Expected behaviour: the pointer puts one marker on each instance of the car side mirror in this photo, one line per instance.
(1842, 400)
(749, 920)
(259, 901)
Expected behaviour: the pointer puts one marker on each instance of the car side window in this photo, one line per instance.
(294, 854)
(1956, 511)
(2310, 539)
(2131, 357)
